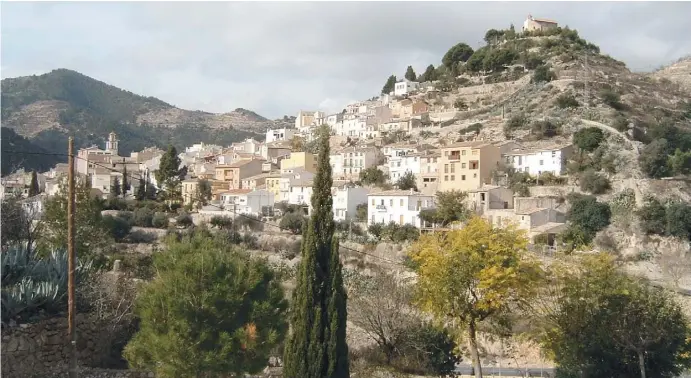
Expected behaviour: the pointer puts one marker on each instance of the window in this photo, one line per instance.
(446, 168)
(541, 162)
(474, 152)
(474, 175)
(453, 177)
(463, 177)
(401, 203)
(463, 152)
(391, 203)
(446, 178)
(463, 165)
(453, 167)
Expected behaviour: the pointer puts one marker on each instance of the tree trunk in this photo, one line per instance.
(472, 345)
(641, 363)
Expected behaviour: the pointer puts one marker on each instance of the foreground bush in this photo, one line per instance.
(211, 308)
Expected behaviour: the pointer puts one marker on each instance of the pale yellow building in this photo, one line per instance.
(532, 24)
(273, 184)
(235, 172)
(467, 165)
(304, 160)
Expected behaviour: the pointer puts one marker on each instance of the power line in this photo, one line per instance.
(216, 206)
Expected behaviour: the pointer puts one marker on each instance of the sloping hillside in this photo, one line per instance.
(678, 72)
(47, 108)
(11, 162)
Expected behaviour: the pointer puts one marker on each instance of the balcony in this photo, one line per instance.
(381, 208)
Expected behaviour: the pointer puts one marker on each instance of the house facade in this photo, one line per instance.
(345, 201)
(234, 173)
(466, 166)
(428, 179)
(299, 160)
(279, 135)
(538, 161)
(405, 87)
(245, 201)
(400, 164)
(398, 206)
(350, 161)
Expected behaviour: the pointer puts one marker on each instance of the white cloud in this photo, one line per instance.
(277, 58)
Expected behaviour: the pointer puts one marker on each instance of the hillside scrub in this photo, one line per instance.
(565, 101)
(594, 182)
(666, 219)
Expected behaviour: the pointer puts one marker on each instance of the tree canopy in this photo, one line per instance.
(410, 74)
(460, 52)
(602, 323)
(389, 85)
(212, 311)
(474, 275)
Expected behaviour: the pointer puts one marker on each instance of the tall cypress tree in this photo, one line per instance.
(125, 182)
(316, 347)
(141, 189)
(33, 185)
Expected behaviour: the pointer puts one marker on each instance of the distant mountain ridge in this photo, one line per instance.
(47, 108)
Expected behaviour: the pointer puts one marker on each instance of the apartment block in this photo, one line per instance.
(466, 166)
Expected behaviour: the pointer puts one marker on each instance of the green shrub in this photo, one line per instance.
(588, 214)
(565, 101)
(594, 182)
(160, 220)
(221, 222)
(612, 99)
(544, 129)
(543, 74)
(293, 222)
(143, 217)
(118, 227)
(653, 159)
(183, 220)
(588, 139)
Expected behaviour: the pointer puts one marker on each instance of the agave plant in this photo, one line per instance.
(31, 283)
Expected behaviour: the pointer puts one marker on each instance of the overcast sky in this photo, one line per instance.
(278, 58)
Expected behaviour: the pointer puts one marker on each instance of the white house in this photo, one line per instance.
(300, 192)
(399, 206)
(355, 127)
(401, 163)
(537, 161)
(246, 201)
(333, 119)
(350, 161)
(404, 87)
(279, 135)
(345, 201)
(298, 177)
(398, 149)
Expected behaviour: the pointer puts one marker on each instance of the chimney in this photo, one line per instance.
(411, 191)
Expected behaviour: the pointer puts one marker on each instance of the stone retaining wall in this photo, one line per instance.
(42, 348)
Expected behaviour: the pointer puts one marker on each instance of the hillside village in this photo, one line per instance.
(518, 140)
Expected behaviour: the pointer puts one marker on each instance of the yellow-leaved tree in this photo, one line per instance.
(476, 274)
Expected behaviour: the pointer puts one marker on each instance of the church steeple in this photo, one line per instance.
(112, 143)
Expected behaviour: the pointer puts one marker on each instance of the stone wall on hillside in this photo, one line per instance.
(40, 349)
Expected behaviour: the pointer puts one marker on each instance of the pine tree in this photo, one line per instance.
(115, 187)
(33, 186)
(125, 182)
(410, 73)
(169, 168)
(317, 347)
(390, 85)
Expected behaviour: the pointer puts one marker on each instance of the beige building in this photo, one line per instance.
(467, 165)
(304, 160)
(532, 24)
(235, 172)
(428, 179)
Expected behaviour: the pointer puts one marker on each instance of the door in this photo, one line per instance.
(401, 220)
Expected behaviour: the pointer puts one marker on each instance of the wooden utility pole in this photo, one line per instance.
(71, 261)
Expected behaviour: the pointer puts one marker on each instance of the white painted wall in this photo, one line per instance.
(402, 209)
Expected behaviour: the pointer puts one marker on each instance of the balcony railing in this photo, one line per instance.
(381, 208)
